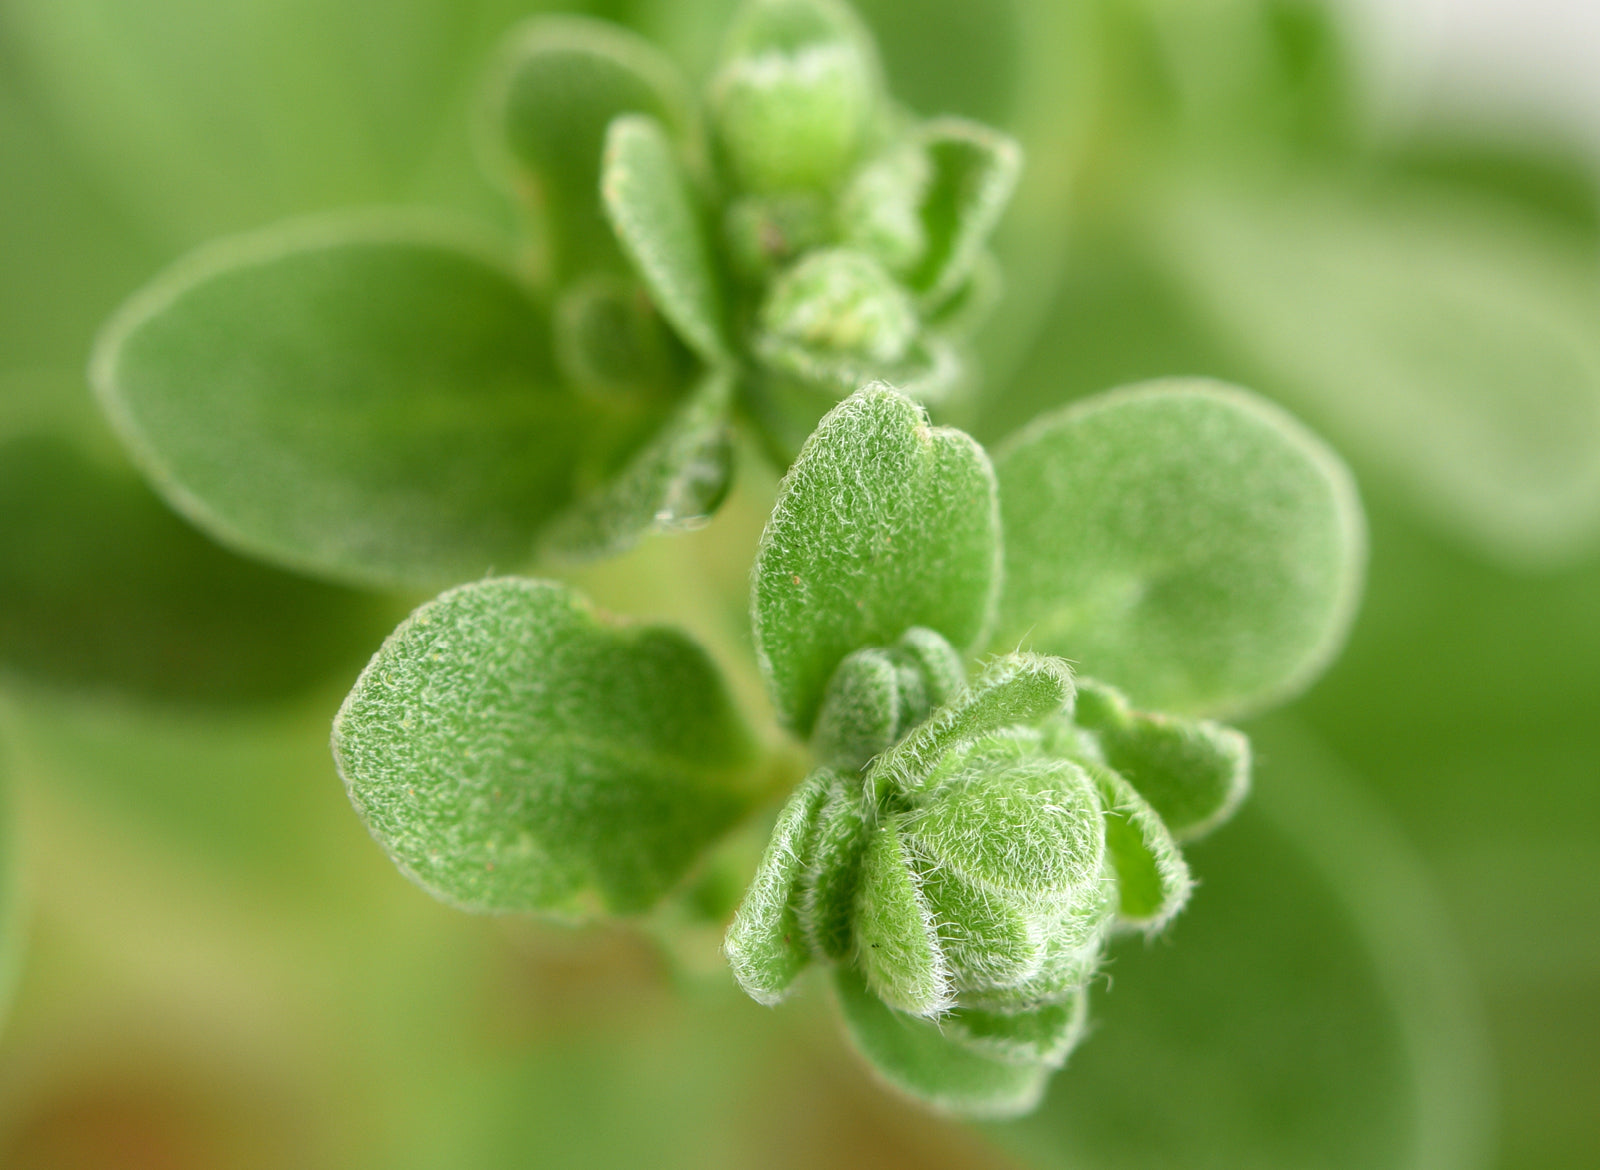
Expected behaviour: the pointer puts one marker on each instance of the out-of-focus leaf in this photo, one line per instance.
(674, 482)
(883, 523)
(1183, 540)
(360, 398)
(559, 83)
(511, 751)
(198, 118)
(973, 173)
(912, 1055)
(1447, 342)
(102, 587)
(652, 207)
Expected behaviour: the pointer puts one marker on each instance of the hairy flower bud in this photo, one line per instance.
(794, 101)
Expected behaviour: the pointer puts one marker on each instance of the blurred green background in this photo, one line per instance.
(1393, 959)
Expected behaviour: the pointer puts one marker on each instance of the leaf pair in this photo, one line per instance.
(1184, 541)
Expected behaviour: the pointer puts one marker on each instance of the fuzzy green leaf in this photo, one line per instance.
(860, 710)
(1184, 540)
(897, 939)
(883, 523)
(1193, 773)
(1153, 882)
(653, 209)
(914, 1056)
(973, 171)
(833, 870)
(1046, 1035)
(1012, 822)
(365, 399)
(560, 82)
(512, 751)
(987, 940)
(765, 947)
(1074, 948)
(1014, 690)
(877, 695)
(673, 483)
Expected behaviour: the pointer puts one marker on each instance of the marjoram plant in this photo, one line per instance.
(379, 399)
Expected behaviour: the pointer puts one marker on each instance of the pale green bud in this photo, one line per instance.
(796, 96)
(836, 314)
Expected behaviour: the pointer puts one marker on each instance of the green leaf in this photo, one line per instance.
(1011, 822)
(512, 751)
(833, 870)
(877, 695)
(1153, 882)
(102, 587)
(1444, 340)
(973, 171)
(1194, 774)
(1074, 949)
(883, 523)
(765, 947)
(1046, 1035)
(611, 343)
(361, 398)
(655, 213)
(860, 710)
(672, 484)
(1013, 690)
(559, 84)
(897, 938)
(986, 940)
(913, 1056)
(1183, 540)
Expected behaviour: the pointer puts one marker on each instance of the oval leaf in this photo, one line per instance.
(914, 1056)
(883, 523)
(1444, 340)
(560, 82)
(897, 939)
(1193, 773)
(513, 752)
(1183, 540)
(1153, 882)
(363, 399)
(765, 947)
(653, 210)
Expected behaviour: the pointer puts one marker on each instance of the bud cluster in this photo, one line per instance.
(966, 851)
(856, 232)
